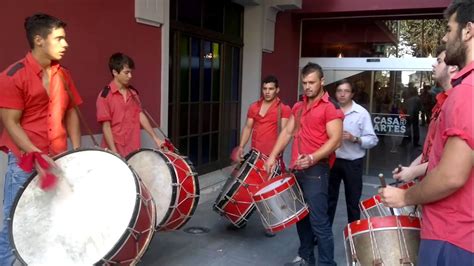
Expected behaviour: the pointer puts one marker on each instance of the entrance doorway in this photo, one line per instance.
(390, 89)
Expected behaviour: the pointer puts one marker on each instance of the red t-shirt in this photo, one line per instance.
(124, 117)
(440, 98)
(265, 128)
(312, 134)
(42, 114)
(452, 219)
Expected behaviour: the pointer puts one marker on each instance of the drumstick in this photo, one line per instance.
(397, 182)
(383, 185)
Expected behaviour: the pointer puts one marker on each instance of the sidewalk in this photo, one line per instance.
(248, 246)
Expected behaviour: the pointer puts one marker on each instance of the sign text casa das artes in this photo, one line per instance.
(390, 124)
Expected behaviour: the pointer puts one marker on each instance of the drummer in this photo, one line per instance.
(442, 74)
(316, 124)
(119, 110)
(265, 119)
(36, 110)
(447, 191)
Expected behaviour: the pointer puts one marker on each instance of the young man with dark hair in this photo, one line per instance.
(265, 119)
(36, 109)
(316, 125)
(447, 191)
(119, 110)
(357, 137)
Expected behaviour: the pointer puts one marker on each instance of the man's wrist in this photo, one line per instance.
(356, 140)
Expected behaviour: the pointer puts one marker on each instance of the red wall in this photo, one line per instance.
(283, 62)
(335, 6)
(96, 29)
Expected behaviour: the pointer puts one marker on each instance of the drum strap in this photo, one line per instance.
(81, 117)
(279, 119)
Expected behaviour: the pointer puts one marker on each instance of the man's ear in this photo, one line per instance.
(469, 31)
(322, 81)
(453, 69)
(38, 41)
(114, 72)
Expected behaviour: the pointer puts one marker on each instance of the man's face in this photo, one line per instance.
(312, 85)
(344, 94)
(455, 49)
(440, 69)
(269, 91)
(124, 76)
(54, 46)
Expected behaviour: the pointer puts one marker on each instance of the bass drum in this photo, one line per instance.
(173, 183)
(98, 213)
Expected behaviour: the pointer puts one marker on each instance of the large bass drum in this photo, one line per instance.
(98, 213)
(173, 183)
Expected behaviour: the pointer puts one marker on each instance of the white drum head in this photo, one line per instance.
(80, 220)
(272, 185)
(155, 173)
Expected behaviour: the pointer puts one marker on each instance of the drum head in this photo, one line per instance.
(158, 176)
(82, 219)
(273, 185)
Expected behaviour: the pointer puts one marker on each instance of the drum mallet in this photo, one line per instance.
(383, 185)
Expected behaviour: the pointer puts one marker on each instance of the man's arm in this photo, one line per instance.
(368, 139)
(286, 133)
(334, 131)
(145, 123)
(73, 127)
(11, 121)
(284, 122)
(109, 138)
(450, 175)
(246, 132)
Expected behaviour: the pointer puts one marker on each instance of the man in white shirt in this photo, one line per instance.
(358, 136)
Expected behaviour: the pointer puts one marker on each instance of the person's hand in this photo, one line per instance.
(404, 174)
(393, 197)
(347, 136)
(159, 143)
(270, 164)
(237, 154)
(304, 161)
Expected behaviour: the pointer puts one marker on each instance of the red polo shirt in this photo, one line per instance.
(124, 117)
(42, 118)
(452, 219)
(312, 134)
(265, 128)
(440, 98)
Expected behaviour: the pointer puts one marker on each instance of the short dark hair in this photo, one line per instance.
(270, 79)
(345, 81)
(441, 48)
(464, 10)
(41, 24)
(310, 68)
(118, 61)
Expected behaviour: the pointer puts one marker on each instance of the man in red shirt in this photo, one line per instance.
(36, 109)
(442, 74)
(316, 124)
(119, 110)
(265, 119)
(447, 191)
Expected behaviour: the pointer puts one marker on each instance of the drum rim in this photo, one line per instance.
(271, 193)
(174, 189)
(406, 222)
(298, 216)
(222, 202)
(116, 248)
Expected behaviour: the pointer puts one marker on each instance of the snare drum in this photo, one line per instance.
(235, 200)
(388, 241)
(173, 183)
(98, 213)
(373, 207)
(280, 203)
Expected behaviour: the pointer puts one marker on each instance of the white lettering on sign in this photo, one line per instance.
(389, 124)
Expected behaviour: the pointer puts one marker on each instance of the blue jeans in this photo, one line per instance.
(441, 253)
(14, 179)
(314, 184)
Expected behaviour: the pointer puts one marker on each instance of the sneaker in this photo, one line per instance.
(269, 234)
(298, 261)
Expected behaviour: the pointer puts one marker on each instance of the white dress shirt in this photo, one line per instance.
(357, 121)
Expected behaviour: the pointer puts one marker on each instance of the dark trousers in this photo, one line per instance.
(441, 253)
(350, 172)
(314, 184)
